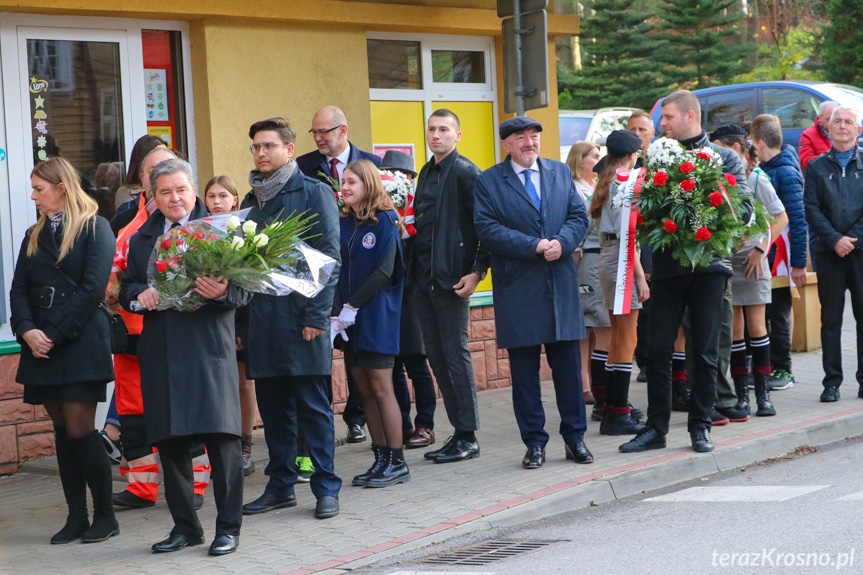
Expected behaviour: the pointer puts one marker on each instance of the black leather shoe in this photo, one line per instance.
(458, 450)
(647, 438)
(830, 394)
(701, 442)
(327, 506)
(356, 434)
(860, 392)
(578, 452)
(224, 544)
(197, 500)
(435, 452)
(534, 457)
(177, 541)
(267, 502)
(128, 500)
(636, 412)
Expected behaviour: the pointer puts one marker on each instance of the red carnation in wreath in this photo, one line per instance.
(731, 179)
(660, 178)
(715, 199)
(703, 156)
(687, 167)
(670, 227)
(702, 234)
(687, 185)
(639, 220)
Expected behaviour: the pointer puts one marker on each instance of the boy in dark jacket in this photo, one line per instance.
(782, 166)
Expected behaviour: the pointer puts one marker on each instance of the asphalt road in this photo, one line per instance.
(799, 514)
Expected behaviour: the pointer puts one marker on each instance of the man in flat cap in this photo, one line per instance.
(530, 218)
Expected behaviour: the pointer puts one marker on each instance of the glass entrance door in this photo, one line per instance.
(75, 110)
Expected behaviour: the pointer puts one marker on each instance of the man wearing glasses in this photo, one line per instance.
(288, 350)
(334, 153)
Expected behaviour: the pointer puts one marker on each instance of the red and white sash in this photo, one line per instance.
(626, 259)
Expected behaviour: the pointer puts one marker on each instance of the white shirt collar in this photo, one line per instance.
(343, 157)
(183, 222)
(519, 168)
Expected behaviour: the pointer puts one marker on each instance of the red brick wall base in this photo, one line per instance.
(26, 431)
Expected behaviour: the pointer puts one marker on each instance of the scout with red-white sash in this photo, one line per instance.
(621, 277)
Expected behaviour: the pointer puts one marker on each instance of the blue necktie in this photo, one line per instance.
(531, 189)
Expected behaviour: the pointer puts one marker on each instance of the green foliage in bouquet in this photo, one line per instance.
(689, 207)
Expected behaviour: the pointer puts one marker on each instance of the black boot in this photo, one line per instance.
(393, 469)
(598, 404)
(619, 424)
(741, 387)
(96, 469)
(248, 463)
(680, 395)
(762, 396)
(363, 478)
(74, 488)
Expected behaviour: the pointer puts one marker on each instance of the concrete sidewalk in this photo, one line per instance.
(440, 502)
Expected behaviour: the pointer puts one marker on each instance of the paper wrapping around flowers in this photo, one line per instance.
(272, 261)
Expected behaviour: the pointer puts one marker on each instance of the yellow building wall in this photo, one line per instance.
(249, 71)
(400, 123)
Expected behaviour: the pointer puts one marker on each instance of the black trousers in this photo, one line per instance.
(779, 328)
(564, 358)
(702, 295)
(226, 460)
(353, 413)
(835, 275)
(444, 317)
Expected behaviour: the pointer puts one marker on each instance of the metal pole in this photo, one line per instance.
(519, 91)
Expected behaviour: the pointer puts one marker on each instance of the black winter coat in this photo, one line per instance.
(834, 199)
(80, 331)
(272, 326)
(189, 379)
(455, 247)
(664, 264)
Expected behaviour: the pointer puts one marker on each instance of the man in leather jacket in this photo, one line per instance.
(833, 196)
(446, 265)
(675, 288)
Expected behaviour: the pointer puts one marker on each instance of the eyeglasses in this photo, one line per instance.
(322, 132)
(267, 146)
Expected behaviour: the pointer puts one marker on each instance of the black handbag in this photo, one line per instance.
(119, 333)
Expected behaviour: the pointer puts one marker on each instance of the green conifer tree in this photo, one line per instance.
(618, 45)
(704, 48)
(843, 42)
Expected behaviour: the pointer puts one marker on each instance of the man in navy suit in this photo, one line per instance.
(335, 152)
(327, 164)
(530, 218)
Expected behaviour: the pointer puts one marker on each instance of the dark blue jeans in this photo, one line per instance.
(564, 358)
(421, 378)
(285, 402)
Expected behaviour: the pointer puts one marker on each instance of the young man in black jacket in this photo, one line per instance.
(675, 288)
(446, 266)
(833, 196)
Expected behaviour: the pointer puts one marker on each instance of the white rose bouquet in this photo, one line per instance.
(274, 261)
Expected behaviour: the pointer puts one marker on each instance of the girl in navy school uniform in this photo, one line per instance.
(366, 313)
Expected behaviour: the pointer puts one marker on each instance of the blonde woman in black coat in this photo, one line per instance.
(59, 283)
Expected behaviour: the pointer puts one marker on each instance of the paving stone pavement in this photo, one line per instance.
(438, 497)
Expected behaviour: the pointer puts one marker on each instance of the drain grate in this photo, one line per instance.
(488, 552)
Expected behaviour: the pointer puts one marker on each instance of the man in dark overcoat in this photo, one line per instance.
(529, 216)
(286, 338)
(189, 380)
(327, 164)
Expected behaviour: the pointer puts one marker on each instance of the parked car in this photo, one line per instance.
(590, 125)
(794, 102)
